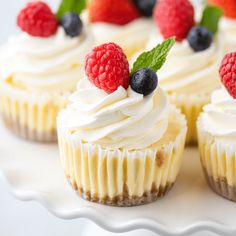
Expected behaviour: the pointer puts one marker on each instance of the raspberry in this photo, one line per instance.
(228, 73)
(174, 18)
(116, 12)
(107, 67)
(229, 7)
(37, 19)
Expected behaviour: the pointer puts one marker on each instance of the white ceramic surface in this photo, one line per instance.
(32, 172)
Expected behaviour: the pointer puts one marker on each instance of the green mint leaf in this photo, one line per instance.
(155, 58)
(211, 17)
(75, 6)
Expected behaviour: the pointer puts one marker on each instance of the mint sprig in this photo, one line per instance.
(211, 17)
(155, 58)
(75, 6)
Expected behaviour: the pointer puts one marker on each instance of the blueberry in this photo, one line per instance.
(145, 6)
(72, 24)
(144, 81)
(200, 38)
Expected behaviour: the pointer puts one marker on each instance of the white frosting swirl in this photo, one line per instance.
(186, 71)
(45, 64)
(220, 115)
(123, 35)
(228, 28)
(122, 119)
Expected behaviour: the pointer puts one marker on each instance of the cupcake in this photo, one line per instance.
(217, 133)
(190, 74)
(124, 22)
(39, 68)
(120, 140)
(228, 22)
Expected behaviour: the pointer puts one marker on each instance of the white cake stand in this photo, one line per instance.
(33, 172)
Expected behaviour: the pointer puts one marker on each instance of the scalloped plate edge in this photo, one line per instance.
(140, 223)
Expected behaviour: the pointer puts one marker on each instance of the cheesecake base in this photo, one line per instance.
(25, 132)
(125, 200)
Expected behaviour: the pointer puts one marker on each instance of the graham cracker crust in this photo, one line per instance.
(221, 187)
(125, 200)
(26, 133)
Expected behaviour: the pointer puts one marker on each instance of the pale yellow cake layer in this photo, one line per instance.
(30, 114)
(107, 173)
(191, 106)
(218, 156)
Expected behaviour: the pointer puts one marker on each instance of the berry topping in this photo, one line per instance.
(72, 24)
(144, 81)
(228, 73)
(229, 7)
(37, 19)
(143, 74)
(200, 38)
(116, 12)
(107, 67)
(145, 6)
(174, 18)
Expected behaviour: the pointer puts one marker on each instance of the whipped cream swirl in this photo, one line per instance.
(122, 119)
(220, 115)
(45, 64)
(186, 71)
(123, 34)
(228, 28)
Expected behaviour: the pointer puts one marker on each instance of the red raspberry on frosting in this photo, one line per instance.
(37, 19)
(229, 6)
(107, 67)
(228, 73)
(174, 18)
(118, 12)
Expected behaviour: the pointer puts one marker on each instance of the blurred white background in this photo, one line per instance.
(29, 218)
